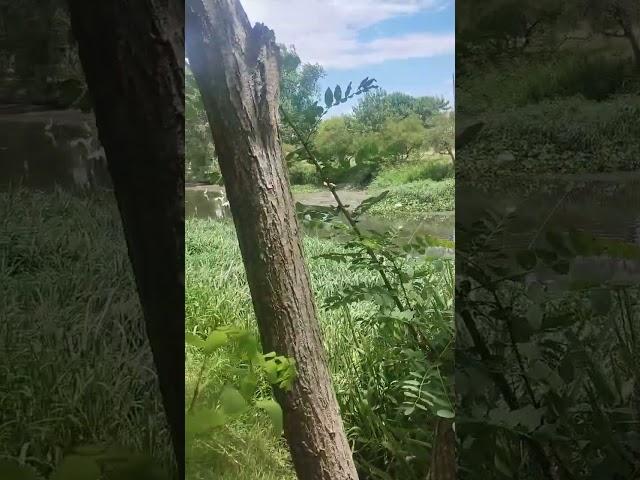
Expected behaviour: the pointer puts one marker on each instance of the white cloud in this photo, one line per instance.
(326, 31)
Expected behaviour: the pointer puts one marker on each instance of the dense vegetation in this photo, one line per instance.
(74, 373)
(386, 307)
(555, 85)
(390, 139)
(547, 327)
(375, 382)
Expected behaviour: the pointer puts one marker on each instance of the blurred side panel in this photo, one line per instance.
(78, 382)
(547, 217)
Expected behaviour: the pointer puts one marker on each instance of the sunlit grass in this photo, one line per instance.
(217, 295)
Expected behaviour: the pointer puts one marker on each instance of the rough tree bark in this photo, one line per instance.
(443, 457)
(132, 54)
(236, 68)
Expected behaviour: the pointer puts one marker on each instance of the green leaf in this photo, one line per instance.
(202, 420)
(328, 98)
(11, 470)
(370, 202)
(445, 413)
(337, 94)
(271, 370)
(248, 385)
(347, 92)
(249, 345)
(77, 467)
(215, 340)
(232, 401)
(501, 466)
(194, 340)
(273, 409)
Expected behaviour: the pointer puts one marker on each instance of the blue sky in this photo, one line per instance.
(407, 45)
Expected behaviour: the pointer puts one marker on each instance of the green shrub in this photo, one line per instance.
(534, 81)
(418, 198)
(303, 173)
(427, 168)
(570, 135)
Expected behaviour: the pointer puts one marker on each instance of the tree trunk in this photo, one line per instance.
(635, 47)
(623, 16)
(132, 54)
(443, 457)
(236, 68)
(452, 155)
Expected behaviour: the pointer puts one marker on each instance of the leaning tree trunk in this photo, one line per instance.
(443, 458)
(132, 54)
(236, 68)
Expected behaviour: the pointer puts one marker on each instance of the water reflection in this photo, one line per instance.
(63, 150)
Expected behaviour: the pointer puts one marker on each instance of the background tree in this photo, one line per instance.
(299, 91)
(372, 110)
(199, 150)
(614, 18)
(440, 136)
(236, 68)
(335, 143)
(400, 138)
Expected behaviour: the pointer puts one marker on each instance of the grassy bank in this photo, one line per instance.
(422, 185)
(76, 366)
(217, 295)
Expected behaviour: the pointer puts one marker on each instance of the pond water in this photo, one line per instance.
(210, 202)
(62, 145)
(604, 205)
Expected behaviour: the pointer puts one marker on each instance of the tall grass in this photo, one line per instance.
(427, 167)
(76, 365)
(365, 356)
(417, 198)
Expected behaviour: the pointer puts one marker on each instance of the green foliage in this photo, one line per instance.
(369, 379)
(334, 143)
(418, 198)
(299, 90)
(301, 173)
(375, 108)
(440, 136)
(549, 140)
(412, 317)
(231, 401)
(200, 156)
(396, 371)
(565, 351)
(426, 167)
(530, 81)
(399, 138)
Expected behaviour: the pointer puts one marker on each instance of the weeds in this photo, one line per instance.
(77, 366)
